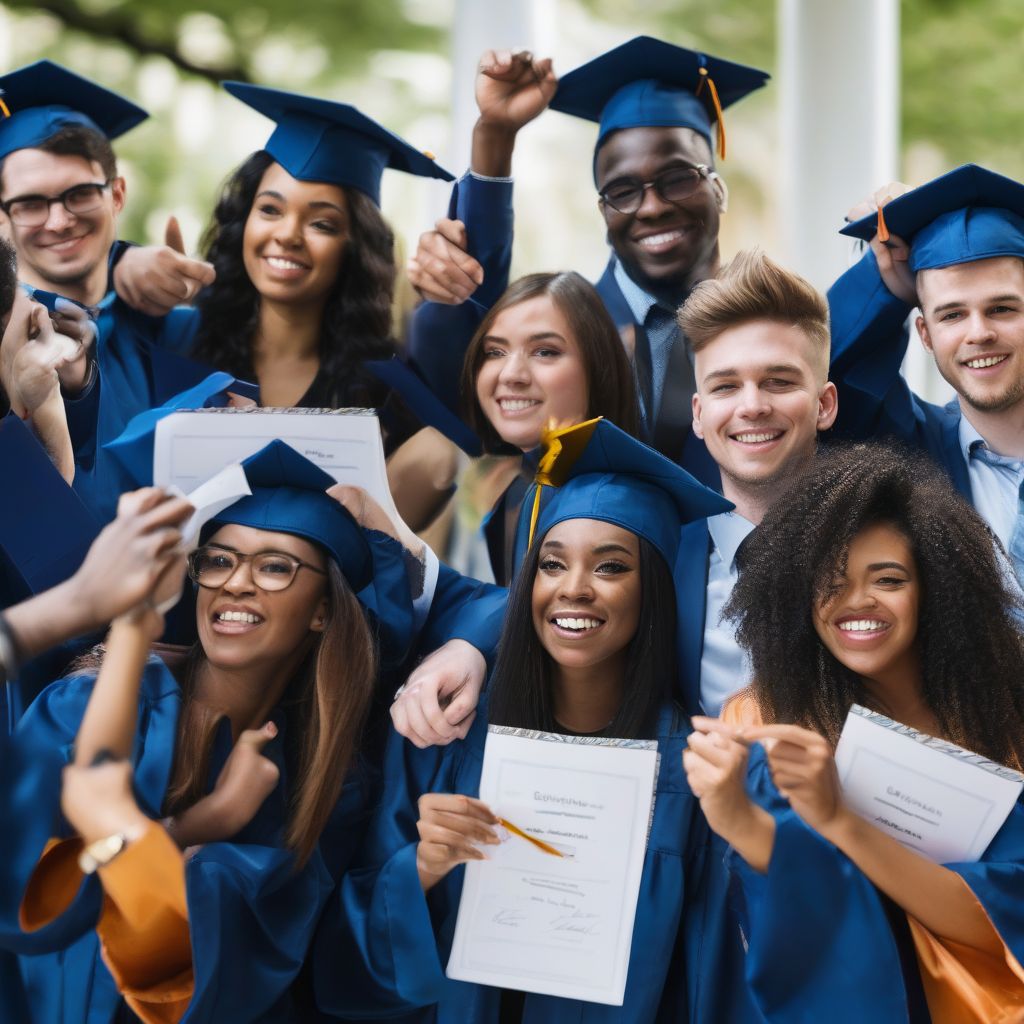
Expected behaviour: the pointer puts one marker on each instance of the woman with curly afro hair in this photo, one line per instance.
(873, 583)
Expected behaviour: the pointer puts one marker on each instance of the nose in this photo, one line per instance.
(652, 205)
(58, 218)
(577, 585)
(515, 369)
(753, 402)
(979, 329)
(240, 581)
(288, 232)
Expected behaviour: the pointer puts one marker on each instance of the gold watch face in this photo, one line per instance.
(101, 852)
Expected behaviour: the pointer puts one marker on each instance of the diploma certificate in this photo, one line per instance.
(945, 802)
(558, 925)
(191, 447)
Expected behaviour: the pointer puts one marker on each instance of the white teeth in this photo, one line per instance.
(757, 438)
(667, 236)
(238, 617)
(980, 364)
(280, 264)
(516, 404)
(862, 626)
(577, 623)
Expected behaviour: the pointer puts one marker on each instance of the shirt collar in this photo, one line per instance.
(728, 531)
(973, 445)
(640, 302)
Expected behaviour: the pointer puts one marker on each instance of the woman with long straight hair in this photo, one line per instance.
(249, 751)
(873, 584)
(587, 649)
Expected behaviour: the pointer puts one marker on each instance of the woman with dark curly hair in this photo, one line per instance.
(874, 583)
(304, 260)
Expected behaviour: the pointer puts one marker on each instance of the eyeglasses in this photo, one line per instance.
(626, 195)
(212, 566)
(33, 211)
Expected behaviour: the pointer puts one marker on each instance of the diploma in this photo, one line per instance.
(939, 799)
(191, 447)
(555, 915)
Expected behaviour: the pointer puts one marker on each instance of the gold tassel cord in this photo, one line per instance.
(717, 104)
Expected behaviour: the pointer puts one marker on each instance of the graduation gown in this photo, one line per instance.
(861, 957)
(251, 914)
(383, 944)
(869, 341)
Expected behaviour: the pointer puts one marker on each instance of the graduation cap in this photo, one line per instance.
(133, 447)
(41, 98)
(601, 472)
(648, 83)
(966, 215)
(319, 140)
(288, 496)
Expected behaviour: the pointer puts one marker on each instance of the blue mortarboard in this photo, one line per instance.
(601, 472)
(647, 83)
(133, 447)
(966, 215)
(41, 98)
(319, 140)
(288, 496)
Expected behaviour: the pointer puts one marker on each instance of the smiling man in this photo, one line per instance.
(61, 194)
(661, 200)
(955, 248)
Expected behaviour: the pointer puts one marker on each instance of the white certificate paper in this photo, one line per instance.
(560, 926)
(191, 447)
(945, 802)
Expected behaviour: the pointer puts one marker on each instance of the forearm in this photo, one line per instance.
(930, 893)
(752, 837)
(50, 425)
(491, 153)
(50, 618)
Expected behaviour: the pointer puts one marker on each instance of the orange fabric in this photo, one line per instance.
(143, 927)
(964, 985)
(741, 710)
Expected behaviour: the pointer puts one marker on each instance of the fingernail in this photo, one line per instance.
(501, 833)
(63, 305)
(271, 728)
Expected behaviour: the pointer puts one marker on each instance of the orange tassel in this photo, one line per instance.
(717, 104)
(4, 109)
(883, 230)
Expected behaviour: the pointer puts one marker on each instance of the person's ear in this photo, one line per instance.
(721, 191)
(922, 330)
(828, 406)
(698, 429)
(118, 191)
(319, 622)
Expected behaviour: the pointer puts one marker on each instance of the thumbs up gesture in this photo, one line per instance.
(155, 278)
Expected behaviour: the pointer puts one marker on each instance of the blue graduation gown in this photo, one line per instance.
(382, 944)
(848, 941)
(251, 914)
(136, 370)
(439, 334)
(869, 341)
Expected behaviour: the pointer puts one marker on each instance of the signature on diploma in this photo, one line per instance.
(509, 918)
(579, 922)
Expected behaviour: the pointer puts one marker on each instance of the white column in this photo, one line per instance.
(838, 79)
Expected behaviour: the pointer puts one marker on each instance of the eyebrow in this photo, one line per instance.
(601, 549)
(542, 336)
(775, 368)
(316, 204)
(875, 566)
(262, 551)
(958, 303)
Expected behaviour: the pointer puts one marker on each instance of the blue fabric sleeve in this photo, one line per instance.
(464, 609)
(869, 342)
(440, 334)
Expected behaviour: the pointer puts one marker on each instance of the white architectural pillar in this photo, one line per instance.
(838, 74)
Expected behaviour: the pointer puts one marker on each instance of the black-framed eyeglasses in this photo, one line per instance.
(212, 566)
(34, 211)
(626, 195)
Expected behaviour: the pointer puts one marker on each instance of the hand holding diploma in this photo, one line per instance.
(452, 829)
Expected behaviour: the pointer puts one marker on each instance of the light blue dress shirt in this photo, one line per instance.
(995, 482)
(724, 666)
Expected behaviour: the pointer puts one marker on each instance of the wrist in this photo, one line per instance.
(841, 829)
(493, 143)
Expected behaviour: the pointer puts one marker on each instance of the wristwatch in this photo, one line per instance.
(100, 853)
